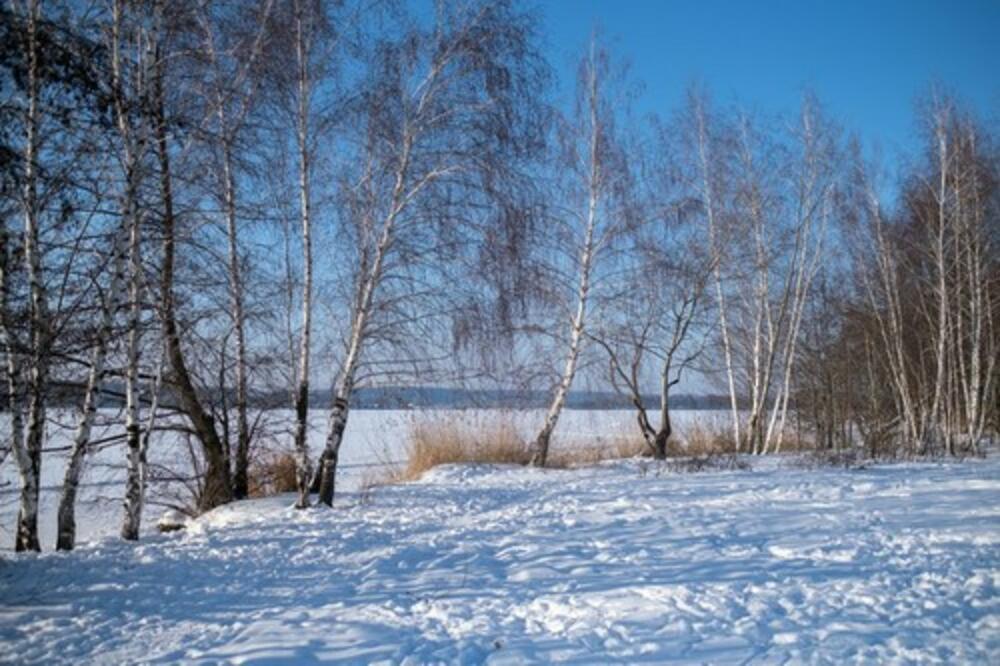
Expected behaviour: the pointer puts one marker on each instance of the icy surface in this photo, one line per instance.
(618, 563)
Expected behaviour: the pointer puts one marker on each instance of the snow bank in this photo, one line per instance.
(621, 562)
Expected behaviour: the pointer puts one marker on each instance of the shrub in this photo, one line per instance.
(272, 474)
(704, 437)
(575, 455)
(449, 441)
(713, 462)
(841, 459)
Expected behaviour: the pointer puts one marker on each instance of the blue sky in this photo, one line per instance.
(867, 61)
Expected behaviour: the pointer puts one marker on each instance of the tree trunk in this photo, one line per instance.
(540, 447)
(331, 454)
(662, 437)
(364, 297)
(660, 444)
(30, 459)
(302, 470)
(242, 458)
(66, 517)
(135, 479)
(708, 193)
(217, 489)
(11, 360)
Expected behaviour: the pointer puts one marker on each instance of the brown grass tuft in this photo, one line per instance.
(704, 437)
(449, 441)
(576, 455)
(272, 474)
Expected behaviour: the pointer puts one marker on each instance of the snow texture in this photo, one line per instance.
(374, 440)
(623, 562)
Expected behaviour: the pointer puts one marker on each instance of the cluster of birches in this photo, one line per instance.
(204, 205)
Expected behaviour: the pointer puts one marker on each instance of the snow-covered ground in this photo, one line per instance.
(374, 439)
(623, 562)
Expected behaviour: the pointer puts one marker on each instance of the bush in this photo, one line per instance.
(840, 459)
(575, 455)
(704, 437)
(449, 441)
(724, 462)
(272, 474)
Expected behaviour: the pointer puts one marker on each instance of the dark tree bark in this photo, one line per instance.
(217, 488)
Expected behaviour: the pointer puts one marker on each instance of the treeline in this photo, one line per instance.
(212, 201)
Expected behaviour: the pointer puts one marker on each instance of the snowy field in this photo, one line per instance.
(624, 562)
(374, 439)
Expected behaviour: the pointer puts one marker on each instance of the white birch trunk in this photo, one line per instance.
(540, 446)
(941, 291)
(368, 283)
(29, 454)
(242, 461)
(301, 396)
(66, 517)
(136, 472)
(708, 193)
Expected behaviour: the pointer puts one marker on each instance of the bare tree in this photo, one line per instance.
(928, 287)
(782, 199)
(443, 110)
(217, 488)
(29, 450)
(708, 145)
(657, 317)
(232, 44)
(594, 215)
(312, 39)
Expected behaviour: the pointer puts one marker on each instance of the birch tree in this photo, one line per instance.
(53, 118)
(706, 141)
(49, 113)
(165, 35)
(443, 117)
(783, 201)
(304, 83)
(232, 43)
(592, 218)
(28, 451)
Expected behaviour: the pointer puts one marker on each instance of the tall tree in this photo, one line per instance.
(165, 33)
(445, 113)
(594, 214)
(233, 39)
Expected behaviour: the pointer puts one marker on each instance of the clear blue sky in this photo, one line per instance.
(867, 61)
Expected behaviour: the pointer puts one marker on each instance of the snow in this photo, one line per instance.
(374, 440)
(622, 562)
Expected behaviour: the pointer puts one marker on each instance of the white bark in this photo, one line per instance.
(578, 326)
(136, 472)
(708, 195)
(301, 396)
(28, 451)
(66, 517)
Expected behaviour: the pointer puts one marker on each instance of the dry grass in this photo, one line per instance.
(704, 437)
(450, 441)
(272, 474)
(576, 455)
